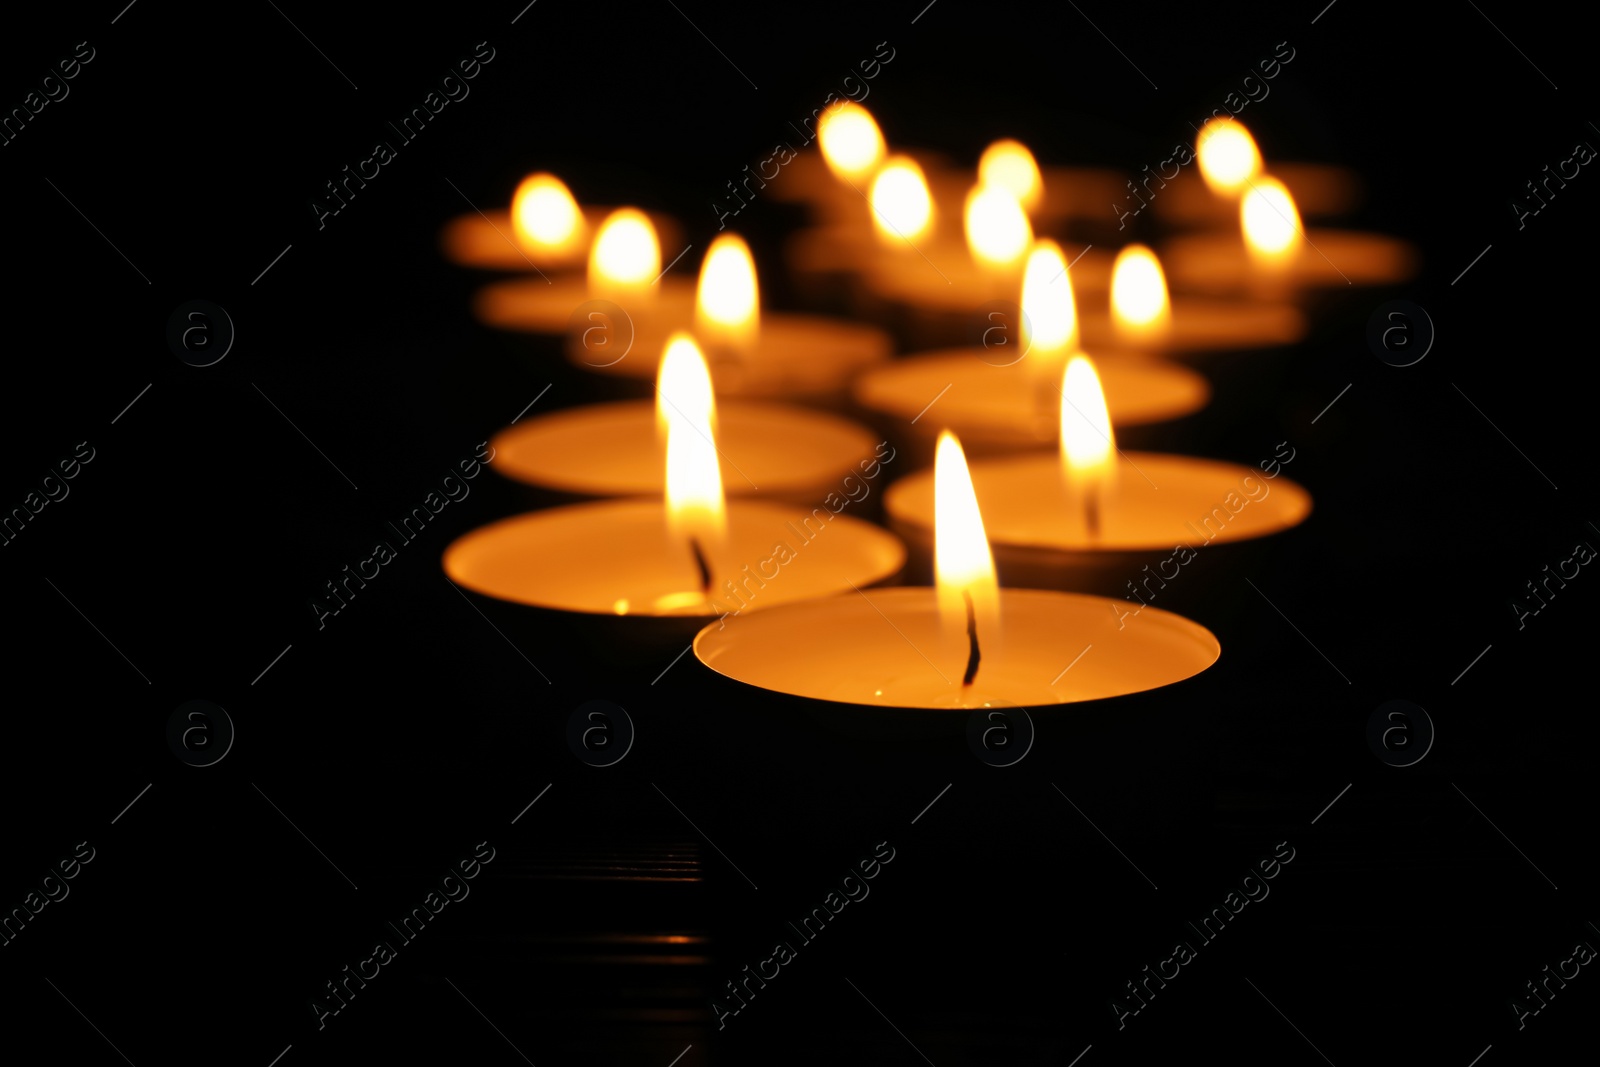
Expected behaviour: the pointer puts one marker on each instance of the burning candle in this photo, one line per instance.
(1001, 395)
(1050, 195)
(754, 353)
(1228, 159)
(693, 554)
(624, 275)
(766, 449)
(1082, 517)
(1272, 253)
(965, 644)
(545, 230)
(1142, 316)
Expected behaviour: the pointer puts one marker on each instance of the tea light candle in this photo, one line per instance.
(545, 230)
(1057, 520)
(754, 353)
(1272, 253)
(1228, 159)
(624, 270)
(695, 556)
(774, 450)
(1052, 194)
(1005, 396)
(964, 644)
(1142, 316)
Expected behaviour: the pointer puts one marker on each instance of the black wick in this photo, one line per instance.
(700, 563)
(974, 654)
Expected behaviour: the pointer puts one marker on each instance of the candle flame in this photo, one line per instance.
(546, 217)
(998, 232)
(1139, 305)
(850, 141)
(626, 257)
(1229, 158)
(962, 563)
(686, 410)
(727, 307)
(1087, 440)
(1270, 221)
(1011, 166)
(1048, 308)
(902, 207)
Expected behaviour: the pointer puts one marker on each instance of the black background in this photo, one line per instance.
(407, 730)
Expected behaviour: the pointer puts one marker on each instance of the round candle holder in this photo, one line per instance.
(998, 408)
(796, 357)
(1221, 263)
(1320, 191)
(884, 662)
(776, 451)
(488, 241)
(1162, 529)
(611, 575)
(566, 303)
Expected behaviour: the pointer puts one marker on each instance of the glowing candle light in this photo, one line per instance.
(969, 594)
(1140, 309)
(851, 143)
(998, 232)
(902, 208)
(626, 257)
(1009, 165)
(1087, 442)
(1049, 310)
(727, 312)
(1229, 158)
(546, 219)
(1270, 223)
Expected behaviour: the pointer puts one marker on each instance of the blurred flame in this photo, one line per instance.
(962, 562)
(1228, 155)
(1087, 440)
(998, 232)
(1009, 165)
(850, 141)
(727, 307)
(1140, 309)
(686, 409)
(1270, 221)
(626, 257)
(1048, 308)
(546, 217)
(902, 208)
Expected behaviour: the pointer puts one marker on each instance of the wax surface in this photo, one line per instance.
(488, 241)
(540, 305)
(1199, 324)
(890, 648)
(1156, 501)
(1015, 403)
(1220, 262)
(795, 355)
(618, 557)
(617, 449)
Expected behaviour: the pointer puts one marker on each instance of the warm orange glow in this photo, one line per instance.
(626, 257)
(1011, 166)
(962, 563)
(546, 218)
(686, 408)
(1087, 443)
(1228, 155)
(998, 232)
(902, 207)
(727, 306)
(850, 141)
(1048, 308)
(1270, 221)
(1140, 309)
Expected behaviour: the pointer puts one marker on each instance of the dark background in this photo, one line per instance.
(408, 730)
